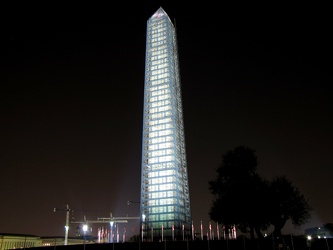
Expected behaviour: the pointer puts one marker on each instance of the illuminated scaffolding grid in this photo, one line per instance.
(165, 202)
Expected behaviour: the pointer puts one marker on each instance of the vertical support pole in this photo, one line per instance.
(292, 242)
(67, 225)
(173, 233)
(162, 233)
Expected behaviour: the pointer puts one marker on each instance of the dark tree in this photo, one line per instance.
(244, 199)
(286, 202)
(238, 192)
(329, 228)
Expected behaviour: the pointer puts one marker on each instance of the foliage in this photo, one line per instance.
(286, 202)
(236, 188)
(329, 227)
(244, 199)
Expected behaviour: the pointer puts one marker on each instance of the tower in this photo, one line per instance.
(164, 202)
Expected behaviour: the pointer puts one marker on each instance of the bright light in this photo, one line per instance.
(111, 223)
(85, 228)
(309, 237)
(143, 217)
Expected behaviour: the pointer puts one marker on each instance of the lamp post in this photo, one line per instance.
(328, 248)
(143, 225)
(111, 232)
(84, 228)
(308, 242)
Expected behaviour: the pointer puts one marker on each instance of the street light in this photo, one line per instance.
(143, 224)
(111, 229)
(309, 238)
(328, 248)
(84, 228)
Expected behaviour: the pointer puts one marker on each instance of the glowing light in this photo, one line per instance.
(85, 228)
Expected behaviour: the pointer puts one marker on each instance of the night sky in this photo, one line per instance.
(72, 81)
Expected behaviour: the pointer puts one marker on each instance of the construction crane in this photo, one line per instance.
(67, 210)
(110, 219)
(107, 220)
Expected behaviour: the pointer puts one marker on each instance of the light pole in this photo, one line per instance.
(309, 238)
(111, 232)
(84, 228)
(142, 226)
(67, 209)
(328, 248)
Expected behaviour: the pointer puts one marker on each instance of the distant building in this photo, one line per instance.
(14, 241)
(22, 241)
(59, 240)
(165, 202)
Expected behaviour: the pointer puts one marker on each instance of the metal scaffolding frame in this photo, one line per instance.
(165, 202)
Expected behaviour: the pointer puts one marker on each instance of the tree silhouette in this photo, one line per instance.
(244, 199)
(286, 202)
(329, 228)
(238, 191)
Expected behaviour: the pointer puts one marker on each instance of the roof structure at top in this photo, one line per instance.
(159, 14)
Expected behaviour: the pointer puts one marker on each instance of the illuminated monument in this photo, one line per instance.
(165, 202)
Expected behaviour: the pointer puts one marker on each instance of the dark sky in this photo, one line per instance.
(72, 92)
